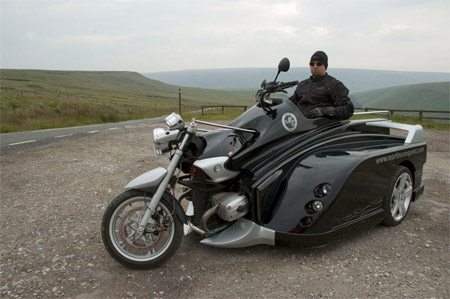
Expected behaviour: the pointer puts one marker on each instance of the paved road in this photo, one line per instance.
(12, 142)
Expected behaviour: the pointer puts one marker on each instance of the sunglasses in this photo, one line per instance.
(315, 63)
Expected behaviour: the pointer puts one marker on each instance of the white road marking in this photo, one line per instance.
(17, 143)
(45, 130)
(61, 136)
(92, 132)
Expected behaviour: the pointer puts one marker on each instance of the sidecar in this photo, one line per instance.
(310, 179)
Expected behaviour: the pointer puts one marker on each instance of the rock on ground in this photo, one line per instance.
(53, 198)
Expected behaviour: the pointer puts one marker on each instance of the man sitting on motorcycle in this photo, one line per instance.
(322, 95)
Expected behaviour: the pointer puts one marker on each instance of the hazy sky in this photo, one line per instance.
(149, 36)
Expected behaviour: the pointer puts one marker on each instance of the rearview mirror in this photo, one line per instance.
(284, 65)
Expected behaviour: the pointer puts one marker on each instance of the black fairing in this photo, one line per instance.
(352, 163)
(280, 168)
(268, 124)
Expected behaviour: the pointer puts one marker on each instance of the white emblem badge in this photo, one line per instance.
(289, 121)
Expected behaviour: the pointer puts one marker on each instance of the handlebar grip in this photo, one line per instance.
(290, 84)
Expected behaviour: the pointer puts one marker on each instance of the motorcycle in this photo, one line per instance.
(271, 175)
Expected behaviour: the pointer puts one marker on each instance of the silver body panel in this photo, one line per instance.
(190, 212)
(242, 233)
(151, 178)
(215, 169)
(416, 133)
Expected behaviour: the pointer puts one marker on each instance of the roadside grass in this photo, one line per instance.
(34, 100)
(21, 113)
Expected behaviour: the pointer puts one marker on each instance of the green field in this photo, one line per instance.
(39, 99)
(427, 96)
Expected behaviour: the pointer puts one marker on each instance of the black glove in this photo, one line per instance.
(321, 112)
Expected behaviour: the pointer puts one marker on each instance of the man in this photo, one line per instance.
(322, 95)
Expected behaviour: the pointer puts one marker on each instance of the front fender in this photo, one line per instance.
(149, 181)
(151, 178)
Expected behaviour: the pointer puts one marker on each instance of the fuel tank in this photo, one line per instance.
(277, 125)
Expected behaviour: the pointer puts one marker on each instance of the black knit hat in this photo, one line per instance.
(321, 57)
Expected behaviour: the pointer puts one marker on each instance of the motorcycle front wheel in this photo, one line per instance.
(119, 228)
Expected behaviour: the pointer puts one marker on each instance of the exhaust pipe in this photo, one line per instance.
(205, 218)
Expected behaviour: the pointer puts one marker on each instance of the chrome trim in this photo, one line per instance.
(242, 233)
(205, 218)
(375, 112)
(226, 127)
(174, 121)
(196, 229)
(161, 139)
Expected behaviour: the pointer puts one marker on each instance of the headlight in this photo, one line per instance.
(174, 121)
(162, 138)
(322, 190)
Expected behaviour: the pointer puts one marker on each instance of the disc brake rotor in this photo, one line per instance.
(129, 225)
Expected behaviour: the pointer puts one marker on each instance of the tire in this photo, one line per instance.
(398, 199)
(120, 223)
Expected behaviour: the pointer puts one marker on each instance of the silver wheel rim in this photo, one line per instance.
(123, 226)
(401, 196)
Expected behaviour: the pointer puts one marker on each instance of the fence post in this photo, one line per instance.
(223, 108)
(420, 115)
(365, 109)
(202, 110)
(179, 100)
(245, 108)
(391, 112)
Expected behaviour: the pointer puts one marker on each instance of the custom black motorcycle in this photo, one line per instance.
(270, 175)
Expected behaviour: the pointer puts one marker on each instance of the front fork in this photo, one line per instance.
(151, 208)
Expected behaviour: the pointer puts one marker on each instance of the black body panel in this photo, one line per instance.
(359, 180)
(282, 166)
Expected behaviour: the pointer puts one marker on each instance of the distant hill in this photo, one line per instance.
(41, 99)
(113, 83)
(250, 78)
(427, 96)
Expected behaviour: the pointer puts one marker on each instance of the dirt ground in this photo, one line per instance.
(53, 198)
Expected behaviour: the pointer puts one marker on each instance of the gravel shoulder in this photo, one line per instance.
(53, 198)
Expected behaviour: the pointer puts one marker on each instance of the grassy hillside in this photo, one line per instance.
(356, 80)
(39, 99)
(428, 96)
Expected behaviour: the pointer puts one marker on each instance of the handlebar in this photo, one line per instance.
(263, 95)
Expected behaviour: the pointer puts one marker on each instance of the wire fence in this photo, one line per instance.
(421, 114)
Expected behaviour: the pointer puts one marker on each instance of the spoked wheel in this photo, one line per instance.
(156, 245)
(399, 197)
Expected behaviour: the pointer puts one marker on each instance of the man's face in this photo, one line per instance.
(317, 68)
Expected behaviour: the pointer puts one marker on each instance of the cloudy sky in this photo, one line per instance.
(150, 36)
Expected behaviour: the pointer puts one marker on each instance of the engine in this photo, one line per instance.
(231, 205)
(220, 210)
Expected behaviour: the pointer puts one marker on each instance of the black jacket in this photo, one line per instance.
(323, 92)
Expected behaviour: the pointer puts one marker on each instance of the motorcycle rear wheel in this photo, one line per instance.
(159, 241)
